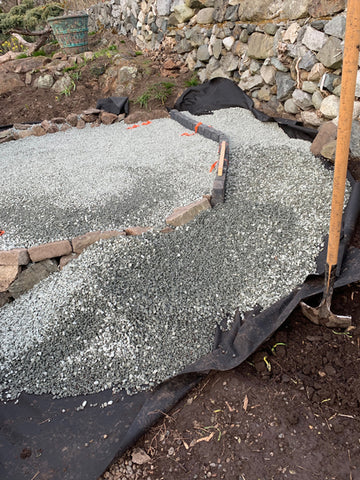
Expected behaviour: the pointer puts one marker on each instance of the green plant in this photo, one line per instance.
(193, 82)
(144, 99)
(22, 55)
(113, 48)
(38, 53)
(138, 52)
(75, 76)
(68, 69)
(158, 91)
(67, 91)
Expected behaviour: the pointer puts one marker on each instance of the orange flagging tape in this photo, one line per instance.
(213, 166)
(2, 232)
(187, 134)
(134, 126)
(146, 123)
(197, 126)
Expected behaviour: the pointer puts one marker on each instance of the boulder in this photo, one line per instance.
(24, 65)
(313, 39)
(291, 34)
(278, 65)
(229, 62)
(268, 74)
(309, 87)
(228, 42)
(203, 53)
(257, 10)
(44, 81)
(330, 106)
(316, 72)
(330, 54)
(271, 28)
(357, 88)
(323, 8)
(9, 82)
(8, 273)
(183, 13)
(163, 7)
(264, 94)
(261, 46)
(291, 107)
(217, 47)
(307, 61)
(326, 134)
(205, 16)
(336, 27)
(63, 84)
(285, 85)
(249, 82)
(294, 9)
(355, 139)
(311, 118)
(302, 99)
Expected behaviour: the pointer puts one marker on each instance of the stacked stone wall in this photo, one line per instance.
(286, 55)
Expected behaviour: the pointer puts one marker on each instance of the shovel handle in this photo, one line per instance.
(347, 97)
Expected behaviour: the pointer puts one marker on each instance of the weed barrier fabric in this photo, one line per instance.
(71, 438)
(220, 93)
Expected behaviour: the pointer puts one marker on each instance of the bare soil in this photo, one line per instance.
(291, 411)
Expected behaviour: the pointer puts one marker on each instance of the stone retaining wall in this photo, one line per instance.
(291, 66)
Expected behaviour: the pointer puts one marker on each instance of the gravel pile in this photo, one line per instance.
(107, 178)
(131, 312)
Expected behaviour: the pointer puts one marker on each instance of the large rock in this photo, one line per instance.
(44, 81)
(268, 74)
(16, 256)
(63, 84)
(24, 65)
(316, 72)
(323, 8)
(357, 88)
(203, 53)
(307, 61)
(205, 16)
(326, 134)
(229, 63)
(8, 273)
(311, 118)
(294, 9)
(309, 87)
(217, 47)
(302, 99)
(317, 99)
(260, 46)
(330, 54)
(330, 106)
(183, 13)
(291, 34)
(163, 7)
(228, 42)
(336, 27)
(9, 82)
(31, 276)
(249, 82)
(184, 46)
(355, 139)
(313, 39)
(285, 85)
(257, 10)
(291, 107)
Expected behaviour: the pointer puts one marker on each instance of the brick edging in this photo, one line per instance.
(218, 190)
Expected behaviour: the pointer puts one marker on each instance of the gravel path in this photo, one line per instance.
(130, 312)
(107, 178)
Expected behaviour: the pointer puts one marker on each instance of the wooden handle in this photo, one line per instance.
(347, 97)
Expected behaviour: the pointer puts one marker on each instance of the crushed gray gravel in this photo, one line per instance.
(131, 312)
(107, 178)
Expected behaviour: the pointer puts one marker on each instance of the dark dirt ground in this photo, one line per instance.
(295, 415)
(29, 104)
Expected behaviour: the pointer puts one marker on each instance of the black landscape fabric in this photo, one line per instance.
(115, 105)
(224, 93)
(68, 439)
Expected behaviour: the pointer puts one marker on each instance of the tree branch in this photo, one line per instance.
(29, 33)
